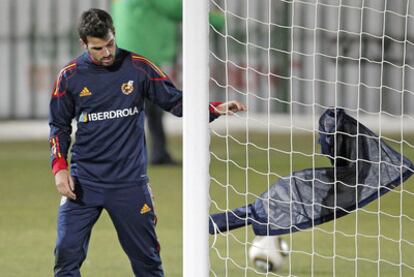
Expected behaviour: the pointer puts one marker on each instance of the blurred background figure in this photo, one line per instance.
(151, 29)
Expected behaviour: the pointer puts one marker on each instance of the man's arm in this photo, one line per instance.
(161, 91)
(61, 113)
(227, 108)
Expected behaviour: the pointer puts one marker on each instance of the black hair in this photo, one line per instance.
(95, 23)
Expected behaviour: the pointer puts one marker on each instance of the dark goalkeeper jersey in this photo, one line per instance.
(108, 104)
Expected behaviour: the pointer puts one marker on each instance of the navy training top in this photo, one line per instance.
(108, 104)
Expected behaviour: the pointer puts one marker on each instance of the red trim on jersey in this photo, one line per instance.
(58, 154)
(55, 145)
(151, 64)
(56, 92)
(159, 79)
(213, 106)
(59, 164)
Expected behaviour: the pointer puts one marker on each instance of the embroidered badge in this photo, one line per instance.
(127, 88)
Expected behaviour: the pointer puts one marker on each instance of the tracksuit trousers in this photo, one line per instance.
(132, 213)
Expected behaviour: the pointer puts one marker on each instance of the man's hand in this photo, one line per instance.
(230, 108)
(65, 184)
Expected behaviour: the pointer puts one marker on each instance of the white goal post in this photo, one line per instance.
(195, 139)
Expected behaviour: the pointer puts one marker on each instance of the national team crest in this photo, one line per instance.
(127, 88)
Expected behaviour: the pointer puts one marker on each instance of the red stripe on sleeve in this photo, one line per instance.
(159, 79)
(58, 154)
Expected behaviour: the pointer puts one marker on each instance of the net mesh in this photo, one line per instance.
(289, 61)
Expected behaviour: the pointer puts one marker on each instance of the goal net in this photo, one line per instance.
(289, 61)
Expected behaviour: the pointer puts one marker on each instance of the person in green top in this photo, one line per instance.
(151, 28)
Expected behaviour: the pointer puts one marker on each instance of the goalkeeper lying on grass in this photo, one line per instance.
(363, 168)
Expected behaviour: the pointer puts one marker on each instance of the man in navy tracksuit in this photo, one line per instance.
(104, 90)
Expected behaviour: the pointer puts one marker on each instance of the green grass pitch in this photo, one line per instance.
(367, 242)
